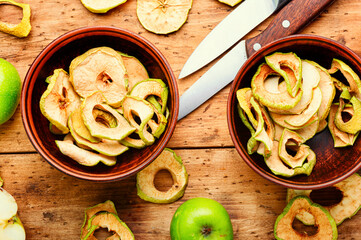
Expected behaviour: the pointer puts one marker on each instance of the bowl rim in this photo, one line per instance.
(231, 125)
(46, 53)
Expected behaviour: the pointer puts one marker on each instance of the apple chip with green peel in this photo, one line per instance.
(291, 61)
(54, 130)
(252, 144)
(328, 91)
(133, 142)
(278, 167)
(326, 226)
(163, 16)
(310, 80)
(151, 87)
(59, 100)
(347, 207)
(134, 108)
(101, 6)
(305, 133)
(353, 125)
(340, 138)
(80, 128)
(105, 146)
(262, 127)
(23, 28)
(244, 96)
(107, 206)
(282, 100)
(264, 130)
(293, 141)
(13, 229)
(82, 156)
(231, 3)
(299, 120)
(97, 128)
(136, 71)
(99, 69)
(352, 78)
(167, 160)
(110, 221)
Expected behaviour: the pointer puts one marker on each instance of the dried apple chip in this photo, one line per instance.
(23, 28)
(101, 6)
(163, 16)
(231, 3)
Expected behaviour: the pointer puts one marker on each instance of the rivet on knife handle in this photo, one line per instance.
(291, 19)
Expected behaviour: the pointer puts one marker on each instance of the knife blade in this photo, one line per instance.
(291, 18)
(231, 29)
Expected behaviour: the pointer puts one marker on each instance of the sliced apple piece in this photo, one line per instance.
(340, 138)
(278, 167)
(105, 146)
(136, 72)
(231, 3)
(282, 100)
(310, 80)
(145, 178)
(326, 226)
(98, 129)
(353, 125)
(299, 120)
(163, 16)
(277, 60)
(328, 91)
(352, 78)
(101, 6)
(23, 28)
(82, 156)
(149, 87)
(110, 221)
(345, 209)
(99, 69)
(8, 206)
(59, 100)
(134, 108)
(290, 139)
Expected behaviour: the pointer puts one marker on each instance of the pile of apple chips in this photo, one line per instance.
(288, 103)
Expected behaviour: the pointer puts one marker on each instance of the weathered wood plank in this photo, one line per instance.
(51, 204)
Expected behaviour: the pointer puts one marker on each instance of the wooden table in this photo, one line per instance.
(51, 204)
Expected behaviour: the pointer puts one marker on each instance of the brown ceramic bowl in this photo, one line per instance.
(333, 164)
(59, 54)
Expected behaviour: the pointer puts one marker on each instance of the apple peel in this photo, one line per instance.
(23, 28)
(145, 179)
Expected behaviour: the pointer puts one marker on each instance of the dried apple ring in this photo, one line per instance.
(23, 28)
(145, 179)
(163, 16)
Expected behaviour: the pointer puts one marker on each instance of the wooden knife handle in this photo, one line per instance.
(290, 19)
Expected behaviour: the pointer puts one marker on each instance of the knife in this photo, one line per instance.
(290, 19)
(230, 30)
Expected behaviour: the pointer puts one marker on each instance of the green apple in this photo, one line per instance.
(10, 87)
(201, 218)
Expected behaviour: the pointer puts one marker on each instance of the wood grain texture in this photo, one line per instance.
(51, 204)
